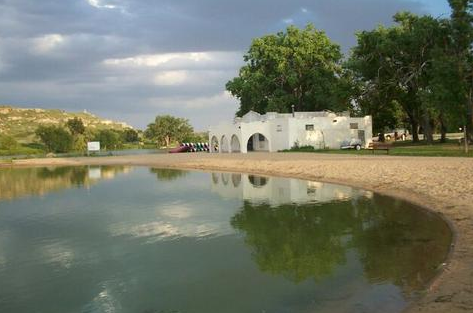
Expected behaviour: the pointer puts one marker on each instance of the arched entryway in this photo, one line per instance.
(257, 142)
(214, 144)
(224, 145)
(235, 144)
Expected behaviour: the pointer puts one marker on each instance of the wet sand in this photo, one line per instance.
(444, 185)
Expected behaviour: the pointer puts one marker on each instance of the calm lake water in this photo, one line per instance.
(123, 239)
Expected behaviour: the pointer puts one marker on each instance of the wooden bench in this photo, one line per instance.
(379, 146)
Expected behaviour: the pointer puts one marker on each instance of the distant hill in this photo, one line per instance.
(21, 123)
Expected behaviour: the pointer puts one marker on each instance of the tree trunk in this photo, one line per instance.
(428, 135)
(443, 129)
(415, 131)
(415, 128)
(469, 116)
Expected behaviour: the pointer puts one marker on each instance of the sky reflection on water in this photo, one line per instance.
(121, 239)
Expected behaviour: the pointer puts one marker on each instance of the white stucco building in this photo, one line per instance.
(275, 131)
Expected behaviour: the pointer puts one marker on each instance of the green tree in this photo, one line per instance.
(299, 67)
(76, 126)
(460, 56)
(108, 139)
(79, 143)
(55, 138)
(197, 137)
(391, 67)
(130, 135)
(8, 143)
(168, 129)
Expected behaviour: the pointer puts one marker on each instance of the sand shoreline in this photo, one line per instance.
(443, 185)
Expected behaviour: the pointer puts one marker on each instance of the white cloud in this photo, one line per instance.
(170, 78)
(98, 4)
(47, 43)
(288, 21)
(304, 10)
(155, 60)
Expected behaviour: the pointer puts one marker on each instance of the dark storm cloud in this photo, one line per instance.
(130, 59)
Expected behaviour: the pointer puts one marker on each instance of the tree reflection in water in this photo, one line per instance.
(394, 241)
(21, 182)
(167, 174)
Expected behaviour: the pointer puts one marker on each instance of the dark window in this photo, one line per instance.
(353, 125)
(261, 137)
(309, 127)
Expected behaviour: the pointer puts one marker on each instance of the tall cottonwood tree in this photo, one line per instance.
(300, 67)
(392, 66)
(460, 55)
(167, 129)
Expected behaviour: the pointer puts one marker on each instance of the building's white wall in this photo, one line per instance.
(282, 131)
(329, 132)
(227, 131)
(300, 136)
(279, 133)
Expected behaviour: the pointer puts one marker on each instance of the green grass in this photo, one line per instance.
(23, 150)
(449, 149)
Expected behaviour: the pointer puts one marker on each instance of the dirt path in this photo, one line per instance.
(444, 185)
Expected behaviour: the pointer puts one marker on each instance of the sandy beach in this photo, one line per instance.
(444, 185)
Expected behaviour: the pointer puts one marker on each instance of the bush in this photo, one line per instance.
(79, 143)
(130, 135)
(8, 143)
(56, 139)
(109, 139)
(301, 149)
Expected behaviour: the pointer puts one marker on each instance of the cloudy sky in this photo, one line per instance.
(131, 60)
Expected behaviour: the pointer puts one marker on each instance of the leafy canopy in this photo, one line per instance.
(299, 67)
(76, 126)
(108, 138)
(55, 138)
(168, 129)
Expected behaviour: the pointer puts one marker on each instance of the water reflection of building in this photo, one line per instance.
(277, 191)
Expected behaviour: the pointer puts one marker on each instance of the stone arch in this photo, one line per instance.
(224, 146)
(214, 146)
(257, 142)
(235, 144)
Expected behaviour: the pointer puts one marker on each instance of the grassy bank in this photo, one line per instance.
(449, 149)
(23, 149)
